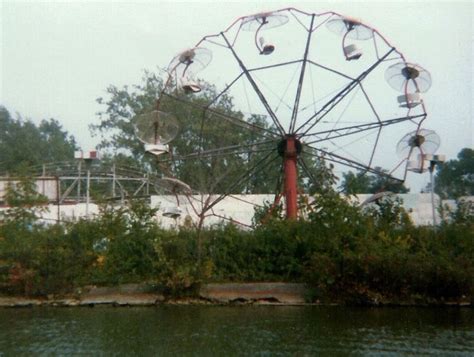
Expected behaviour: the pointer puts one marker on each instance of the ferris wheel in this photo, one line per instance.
(262, 102)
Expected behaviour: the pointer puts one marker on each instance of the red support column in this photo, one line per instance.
(291, 174)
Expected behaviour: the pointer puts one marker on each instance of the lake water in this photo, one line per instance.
(237, 330)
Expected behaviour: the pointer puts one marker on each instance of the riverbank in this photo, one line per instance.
(286, 294)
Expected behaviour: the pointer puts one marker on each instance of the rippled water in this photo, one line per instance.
(255, 330)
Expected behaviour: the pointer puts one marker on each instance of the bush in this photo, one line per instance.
(341, 252)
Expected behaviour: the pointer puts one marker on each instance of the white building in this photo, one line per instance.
(174, 211)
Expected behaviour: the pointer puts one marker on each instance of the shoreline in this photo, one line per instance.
(226, 294)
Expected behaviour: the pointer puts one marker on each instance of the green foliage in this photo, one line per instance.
(269, 211)
(455, 178)
(343, 253)
(22, 143)
(464, 213)
(23, 202)
(237, 155)
(389, 215)
(370, 183)
(355, 183)
(126, 235)
(122, 104)
(44, 259)
(199, 130)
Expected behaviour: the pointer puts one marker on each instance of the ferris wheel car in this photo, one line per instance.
(156, 149)
(352, 52)
(172, 212)
(266, 48)
(191, 87)
(409, 100)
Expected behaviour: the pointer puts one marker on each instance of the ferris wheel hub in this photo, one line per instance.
(286, 149)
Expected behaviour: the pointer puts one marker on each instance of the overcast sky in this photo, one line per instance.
(57, 57)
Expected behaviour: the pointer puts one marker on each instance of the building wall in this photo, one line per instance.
(47, 186)
(237, 208)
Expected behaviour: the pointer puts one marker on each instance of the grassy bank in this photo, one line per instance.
(343, 253)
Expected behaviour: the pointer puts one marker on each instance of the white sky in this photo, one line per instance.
(58, 57)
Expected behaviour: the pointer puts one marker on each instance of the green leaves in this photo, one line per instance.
(23, 201)
(218, 149)
(23, 144)
(369, 183)
(342, 252)
(455, 178)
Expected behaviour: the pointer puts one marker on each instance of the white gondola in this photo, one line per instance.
(172, 212)
(409, 100)
(352, 52)
(156, 149)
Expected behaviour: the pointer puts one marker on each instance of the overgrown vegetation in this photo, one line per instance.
(342, 252)
(25, 144)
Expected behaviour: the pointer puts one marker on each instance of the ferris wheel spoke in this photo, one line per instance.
(208, 39)
(260, 165)
(369, 102)
(376, 143)
(343, 112)
(231, 119)
(319, 115)
(224, 90)
(225, 150)
(256, 88)
(281, 99)
(306, 169)
(301, 79)
(224, 154)
(355, 129)
(300, 22)
(282, 64)
(331, 70)
(328, 156)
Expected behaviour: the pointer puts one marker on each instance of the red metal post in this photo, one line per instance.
(291, 173)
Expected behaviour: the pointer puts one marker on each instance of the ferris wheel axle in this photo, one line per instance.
(289, 148)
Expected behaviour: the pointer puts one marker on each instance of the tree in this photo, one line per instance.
(118, 135)
(455, 178)
(24, 202)
(370, 183)
(24, 144)
(209, 124)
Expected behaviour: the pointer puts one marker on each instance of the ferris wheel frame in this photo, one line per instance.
(290, 137)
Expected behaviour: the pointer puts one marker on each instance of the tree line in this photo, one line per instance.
(24, 144)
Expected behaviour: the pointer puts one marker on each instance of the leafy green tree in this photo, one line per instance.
(228, 144)
(370, 183)
(355, 183)
(19, 233)
(321, 177)
(22, 143)
(115, 124)
(201, 131)
(23, 201)
(455, 178)
(128, 233)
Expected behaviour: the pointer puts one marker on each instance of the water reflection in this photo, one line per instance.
(212, 330)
